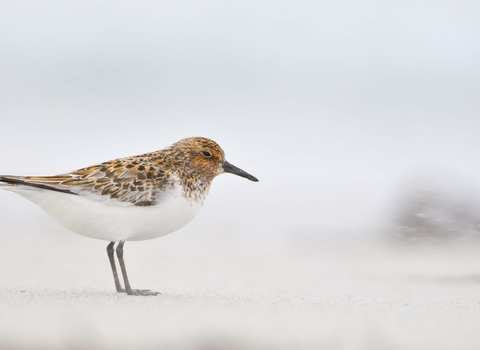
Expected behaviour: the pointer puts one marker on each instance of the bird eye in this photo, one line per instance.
(206, 154)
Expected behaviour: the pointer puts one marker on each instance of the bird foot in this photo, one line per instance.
(142, 292)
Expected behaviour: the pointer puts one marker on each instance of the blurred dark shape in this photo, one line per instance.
(438, 212)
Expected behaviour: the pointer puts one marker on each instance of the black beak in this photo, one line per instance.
(232, 169)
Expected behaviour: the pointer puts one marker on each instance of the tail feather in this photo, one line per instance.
(25, 182)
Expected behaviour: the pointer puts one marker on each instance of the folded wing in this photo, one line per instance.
(124, 180)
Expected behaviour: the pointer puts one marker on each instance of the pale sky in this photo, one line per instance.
(333, 105)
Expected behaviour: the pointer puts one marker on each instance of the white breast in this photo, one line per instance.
(111, 220)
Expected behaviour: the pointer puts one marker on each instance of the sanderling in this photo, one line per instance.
(130, 199)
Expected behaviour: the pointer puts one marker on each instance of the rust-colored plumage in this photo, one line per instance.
(141, 180)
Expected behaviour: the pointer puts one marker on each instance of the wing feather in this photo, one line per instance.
(127, 180)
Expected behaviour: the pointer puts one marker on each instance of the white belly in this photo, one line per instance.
(111, 220)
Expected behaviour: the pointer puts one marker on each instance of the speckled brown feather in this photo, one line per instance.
(141, 180)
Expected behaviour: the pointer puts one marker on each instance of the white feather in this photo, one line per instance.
(112, 220)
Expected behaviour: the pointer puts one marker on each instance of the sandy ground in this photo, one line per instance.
(56, 292)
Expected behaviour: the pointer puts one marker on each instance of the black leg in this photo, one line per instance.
(128, 288)
(111, 257)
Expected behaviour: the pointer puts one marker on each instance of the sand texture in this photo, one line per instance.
(56, 292)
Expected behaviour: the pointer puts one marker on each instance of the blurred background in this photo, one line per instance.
(336, 106)
(361, 120)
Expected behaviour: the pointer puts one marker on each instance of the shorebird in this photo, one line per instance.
(130, 199)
